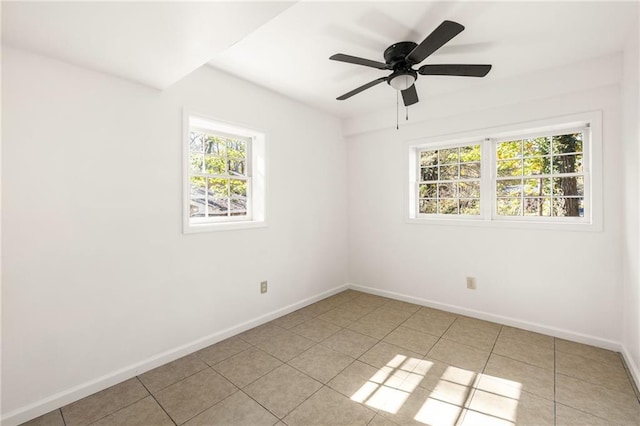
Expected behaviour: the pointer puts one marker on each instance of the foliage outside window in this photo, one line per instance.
(541, 176)
(224, 176)
(449, 181)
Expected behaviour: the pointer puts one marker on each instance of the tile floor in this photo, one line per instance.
(360, 359)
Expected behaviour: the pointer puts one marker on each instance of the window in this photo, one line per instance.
(449, 181)
(540, 173)
(224, 176)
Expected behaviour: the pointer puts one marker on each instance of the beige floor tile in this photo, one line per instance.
(619, 407)
(459, 355)
(247, 366)
(525, 409)
(357, 309)
(526, 377)
(372, 328)
(434, 325)
(285, 345)
(567, 416)
(386, 315)
(409, 308)
(319, 308)
(383, 354)
(316, 329)
(222, 350)
(342, 297)
(437, 313)
(438, 371)
(478, 323)
(591, 352)
(370, 300)
(193, 395)
(236, 410)
(464, 332)
(172, 372)
(340, 316)
(282, 390)
(411, 339)
(525, 336)
(421, 409)
(260, 333)
(142, 413)
(291, 320)
(526, 350)
(350, 342)
(321, 363)
(380, 420)
(475, 418)
(53, 418)
(328, 407)
(610, 375)
(353, 378)
(103, 403)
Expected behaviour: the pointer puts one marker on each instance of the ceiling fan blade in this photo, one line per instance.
(410, 95)
(455, 69)
(361, 88)
(434, 41)
(359, 61)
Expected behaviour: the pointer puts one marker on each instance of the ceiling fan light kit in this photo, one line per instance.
(401, 57)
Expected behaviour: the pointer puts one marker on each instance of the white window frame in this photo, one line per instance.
(255, 176)
(589, 122)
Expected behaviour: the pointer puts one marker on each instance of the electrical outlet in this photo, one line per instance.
(471, 283)
(263, 287)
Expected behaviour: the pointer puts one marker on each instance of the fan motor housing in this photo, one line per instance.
(396, 53)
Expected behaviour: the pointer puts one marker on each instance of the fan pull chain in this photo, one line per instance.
(397, 110)
(407, 117)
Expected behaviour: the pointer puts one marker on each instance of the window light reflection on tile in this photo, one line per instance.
(472, 418)
(438, 413)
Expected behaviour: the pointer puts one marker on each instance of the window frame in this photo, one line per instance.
(255, 175)
(488, 139)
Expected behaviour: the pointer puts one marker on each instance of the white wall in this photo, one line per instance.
(566, 283)
(97, 275)
(631, 236)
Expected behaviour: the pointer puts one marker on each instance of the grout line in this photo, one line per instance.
(62, 415)
(158, 402)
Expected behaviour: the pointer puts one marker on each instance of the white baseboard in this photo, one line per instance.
(75, 393)
(514, 322)
(632, 367)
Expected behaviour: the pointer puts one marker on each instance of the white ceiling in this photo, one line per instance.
(286, 46)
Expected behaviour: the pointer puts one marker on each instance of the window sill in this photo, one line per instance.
(223, 226)
(509, 224)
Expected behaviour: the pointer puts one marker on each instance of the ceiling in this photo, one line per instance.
(285, 46)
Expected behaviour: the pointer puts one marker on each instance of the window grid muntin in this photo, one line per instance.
(583, 204)
(456, 181)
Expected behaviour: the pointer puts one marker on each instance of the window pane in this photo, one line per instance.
(469, 189)
(197, 207)
(195, 161)
(568, 207)
(568, 186)
(237, 167)
(509, 149)
(469, 170)
(214, 145)
(537, 187)
(469, 153)
(429, 158)
(509, 206)
(238, 207)
(448, 206)
(537, 206)
(215, 165)
(510, 168)
(447, 190)
(236, 153)
(449, 155)
(218, 188)
(449, 172)
(238, 188)
(218, 207)
(429, 173)
(470, 206)
(536, 147)
(568, 143)
(567, 164)
(536, 166)
(428, 190)
(196, 141)
(428, 206)
(509, 188)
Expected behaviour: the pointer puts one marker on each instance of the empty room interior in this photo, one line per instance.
(320, 213)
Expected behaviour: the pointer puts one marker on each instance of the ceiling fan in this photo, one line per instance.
(402, 56)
